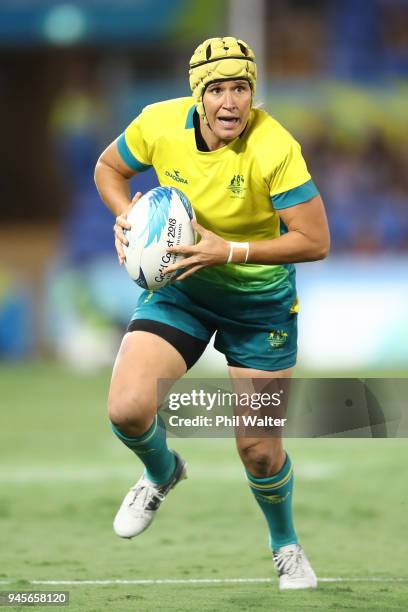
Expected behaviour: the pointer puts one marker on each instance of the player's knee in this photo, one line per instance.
(260, 458)
(131, 412)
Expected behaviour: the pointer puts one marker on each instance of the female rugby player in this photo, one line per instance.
(258, 213)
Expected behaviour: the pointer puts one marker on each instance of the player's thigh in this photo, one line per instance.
(262, 454)
(143, 360)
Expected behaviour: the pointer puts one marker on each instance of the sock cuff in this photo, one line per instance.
(275, 481)
(136, 440)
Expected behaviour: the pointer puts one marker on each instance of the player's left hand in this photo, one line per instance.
(210, 251)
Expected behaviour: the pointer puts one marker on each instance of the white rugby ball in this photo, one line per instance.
(159, 220)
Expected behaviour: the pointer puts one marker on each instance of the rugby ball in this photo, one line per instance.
(159, 220)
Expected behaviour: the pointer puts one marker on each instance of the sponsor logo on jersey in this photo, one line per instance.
(236, 186)
(175, 175)
(277, 338)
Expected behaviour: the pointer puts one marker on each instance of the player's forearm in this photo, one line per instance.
(293, 247)
(113, 188)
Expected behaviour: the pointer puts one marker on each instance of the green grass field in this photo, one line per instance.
(63, 474)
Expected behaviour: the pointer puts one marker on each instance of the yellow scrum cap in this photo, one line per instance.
(220, 59)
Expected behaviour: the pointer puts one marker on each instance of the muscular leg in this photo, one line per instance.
(268, 467)
(134, 399)
(263, 456)
(143, 359)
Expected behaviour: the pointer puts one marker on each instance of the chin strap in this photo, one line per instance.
(243, 246)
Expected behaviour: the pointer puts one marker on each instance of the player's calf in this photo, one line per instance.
(262, 457)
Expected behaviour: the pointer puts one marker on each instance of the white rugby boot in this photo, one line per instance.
(143, 500)
(294, 569)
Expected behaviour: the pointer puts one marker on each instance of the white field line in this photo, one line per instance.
(310, 470)
(378, 579)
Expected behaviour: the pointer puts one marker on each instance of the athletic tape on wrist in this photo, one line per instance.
(238, 245)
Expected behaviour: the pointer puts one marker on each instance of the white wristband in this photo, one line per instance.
(238, 245)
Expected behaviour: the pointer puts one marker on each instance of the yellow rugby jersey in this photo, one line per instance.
(235, 190)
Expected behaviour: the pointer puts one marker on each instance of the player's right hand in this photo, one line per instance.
(121, 224)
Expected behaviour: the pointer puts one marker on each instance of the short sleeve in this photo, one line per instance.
(291, 182)
(133, 146)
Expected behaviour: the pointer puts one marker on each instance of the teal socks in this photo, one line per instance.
(152, 450)
(274, 496)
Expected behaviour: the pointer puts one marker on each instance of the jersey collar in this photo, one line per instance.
(189, 120)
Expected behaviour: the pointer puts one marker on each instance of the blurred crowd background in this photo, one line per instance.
(73, 75)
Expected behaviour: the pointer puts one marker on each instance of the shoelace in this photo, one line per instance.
(289, 562)
(144, 496)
